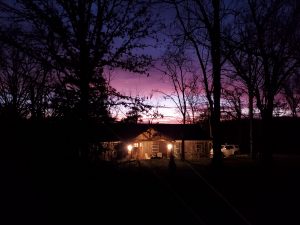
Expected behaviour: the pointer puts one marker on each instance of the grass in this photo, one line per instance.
(264, 195)
(145, 193)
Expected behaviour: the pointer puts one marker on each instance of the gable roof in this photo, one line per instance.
(126, 132)
(152, 135)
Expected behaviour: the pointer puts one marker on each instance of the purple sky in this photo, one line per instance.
(139, 84)
(136, 84)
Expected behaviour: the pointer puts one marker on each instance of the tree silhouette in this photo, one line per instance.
(291, 92)
(232, 108)
(262, 59)
(137, 107)
(178, 69)
(245, 66)
(199, 24)
(24, 90)
(81, 39)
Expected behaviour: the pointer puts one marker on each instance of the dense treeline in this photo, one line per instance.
(284, 133)
(55, 57)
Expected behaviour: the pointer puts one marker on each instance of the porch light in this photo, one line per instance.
(129, 147)
(169, 146)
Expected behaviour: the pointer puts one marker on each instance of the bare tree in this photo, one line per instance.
(24, 86)
(195, 98)
(291, 92)
(233, 102)
(276, 53)
(200, 26)
(262, 59)
(14, 86)
(245, 67)
(178, 69)
(83, 38)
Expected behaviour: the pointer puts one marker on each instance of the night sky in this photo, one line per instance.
(142, 85)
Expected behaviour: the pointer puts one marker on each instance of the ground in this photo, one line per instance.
(242, 192)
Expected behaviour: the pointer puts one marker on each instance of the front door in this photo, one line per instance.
(163, 148)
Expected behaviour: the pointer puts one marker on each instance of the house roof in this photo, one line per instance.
(126, 132)
(152, 135)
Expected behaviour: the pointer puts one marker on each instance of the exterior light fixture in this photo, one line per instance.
(169, 146)
(129, 147)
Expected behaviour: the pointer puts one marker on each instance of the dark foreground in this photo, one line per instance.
(242, 192)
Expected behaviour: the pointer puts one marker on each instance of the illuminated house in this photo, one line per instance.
(145, 141)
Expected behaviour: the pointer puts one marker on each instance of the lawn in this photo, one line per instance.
(242, 192)
(263, 195)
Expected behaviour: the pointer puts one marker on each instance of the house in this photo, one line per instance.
(145, 141)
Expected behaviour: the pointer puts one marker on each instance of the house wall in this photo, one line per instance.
(194, 149)
(148, 148)
(145, 150)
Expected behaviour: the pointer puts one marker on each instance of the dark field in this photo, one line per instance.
(242, 192)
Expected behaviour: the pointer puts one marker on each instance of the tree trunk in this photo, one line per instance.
(216, 62)
(84, 75)
(183, 141)
(267, 130)
(83, 120)
(33, 103)
(251, 97)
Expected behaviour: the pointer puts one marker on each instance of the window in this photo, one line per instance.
(155, 146)
(199, 147)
